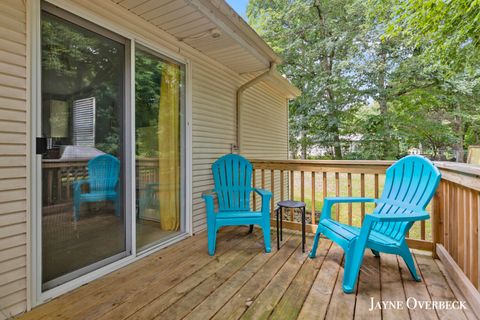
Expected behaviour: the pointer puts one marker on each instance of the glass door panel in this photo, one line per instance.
(84, 226)
(159, 118)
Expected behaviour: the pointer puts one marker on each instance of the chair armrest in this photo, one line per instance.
(329, 202)
(209, 196)
(266, 196)
(405, 217)
(77, 185)
(334, 200)
(262, 192)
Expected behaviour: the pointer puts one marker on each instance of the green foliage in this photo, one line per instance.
(449, 31)
(399, 74)
(314, 38)
(77, 64)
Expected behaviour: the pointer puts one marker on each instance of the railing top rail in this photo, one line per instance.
(463, 174)
(465, 168)
(327, 162)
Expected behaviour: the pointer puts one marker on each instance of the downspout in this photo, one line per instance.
(238, 102)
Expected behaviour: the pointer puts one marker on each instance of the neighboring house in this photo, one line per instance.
(350, 144)
(167, 79)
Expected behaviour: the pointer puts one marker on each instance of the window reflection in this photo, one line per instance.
(158, 127)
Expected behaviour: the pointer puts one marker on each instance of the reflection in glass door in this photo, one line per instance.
(84, 225)
(159, 119)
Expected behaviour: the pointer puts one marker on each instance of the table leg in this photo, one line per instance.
(303, 229)
(281, 224)
(278, 238)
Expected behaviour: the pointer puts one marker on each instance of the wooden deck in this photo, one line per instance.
(242, 282)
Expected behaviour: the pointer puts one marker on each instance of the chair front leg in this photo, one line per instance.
(354, 257)
(117, 206)
(313, 252)
(266, 221)
(211, 224)
(407, 257)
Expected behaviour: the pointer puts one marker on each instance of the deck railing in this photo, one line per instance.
(58, 178)
(312, 180)
(455, 226)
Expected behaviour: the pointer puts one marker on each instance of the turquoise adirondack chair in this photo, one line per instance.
(232, 175)
(103, 175)
(410, 184)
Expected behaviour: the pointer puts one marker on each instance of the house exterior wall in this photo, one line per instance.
(13, 157)
(264, 128)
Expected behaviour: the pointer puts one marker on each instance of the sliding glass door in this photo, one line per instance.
(159, 119)
(87, 133)
(84, 225)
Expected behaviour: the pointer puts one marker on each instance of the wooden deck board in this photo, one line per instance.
(241, 281)
(437, 286)
(236, 306)
(316, 303)
(368, 288)
(293, 299)
(418, 290)
(264, 304)
(342, 305)
(154, 300)
(215, 301)
(392, 288)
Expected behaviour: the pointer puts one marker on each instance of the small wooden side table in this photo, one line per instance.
(289, 204)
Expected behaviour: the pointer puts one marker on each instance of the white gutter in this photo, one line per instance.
(270, 71)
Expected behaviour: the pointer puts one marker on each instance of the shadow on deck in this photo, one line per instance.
(241, 281)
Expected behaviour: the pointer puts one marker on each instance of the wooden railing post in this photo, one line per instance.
(436, 223)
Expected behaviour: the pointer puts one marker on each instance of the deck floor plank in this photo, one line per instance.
(215, 271)
(368, 289)
(183, 306)
(263, 305)
(163, 258)
(293, 299)
(342, 305)
(316, 303)
(392, 289)
(456, 291)
(241, 281)
(416, 290)
(237, 305)
(151, 292)
(102, 302)
(217, 299)
(437, 286)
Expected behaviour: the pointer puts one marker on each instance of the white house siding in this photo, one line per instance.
(265, 132)
(264, 127)
(13, 158)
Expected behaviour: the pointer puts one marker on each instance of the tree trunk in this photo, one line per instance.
(382, 102)
(337, 148)
(460, 131)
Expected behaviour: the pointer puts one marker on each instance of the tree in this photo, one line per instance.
(313, 37)
(398, 74)
(449, 31)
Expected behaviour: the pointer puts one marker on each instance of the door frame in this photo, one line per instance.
(34, 291)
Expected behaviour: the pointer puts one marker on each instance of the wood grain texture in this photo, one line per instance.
(241, 281)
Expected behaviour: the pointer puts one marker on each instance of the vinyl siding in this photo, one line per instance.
(13, 158)
(264, 128)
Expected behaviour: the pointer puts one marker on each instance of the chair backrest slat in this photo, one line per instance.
(409, 186)
(103, 172)
(232, 175)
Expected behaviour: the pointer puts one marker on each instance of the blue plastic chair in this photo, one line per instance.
(232, 175)
(103, 173)
(410, 184)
